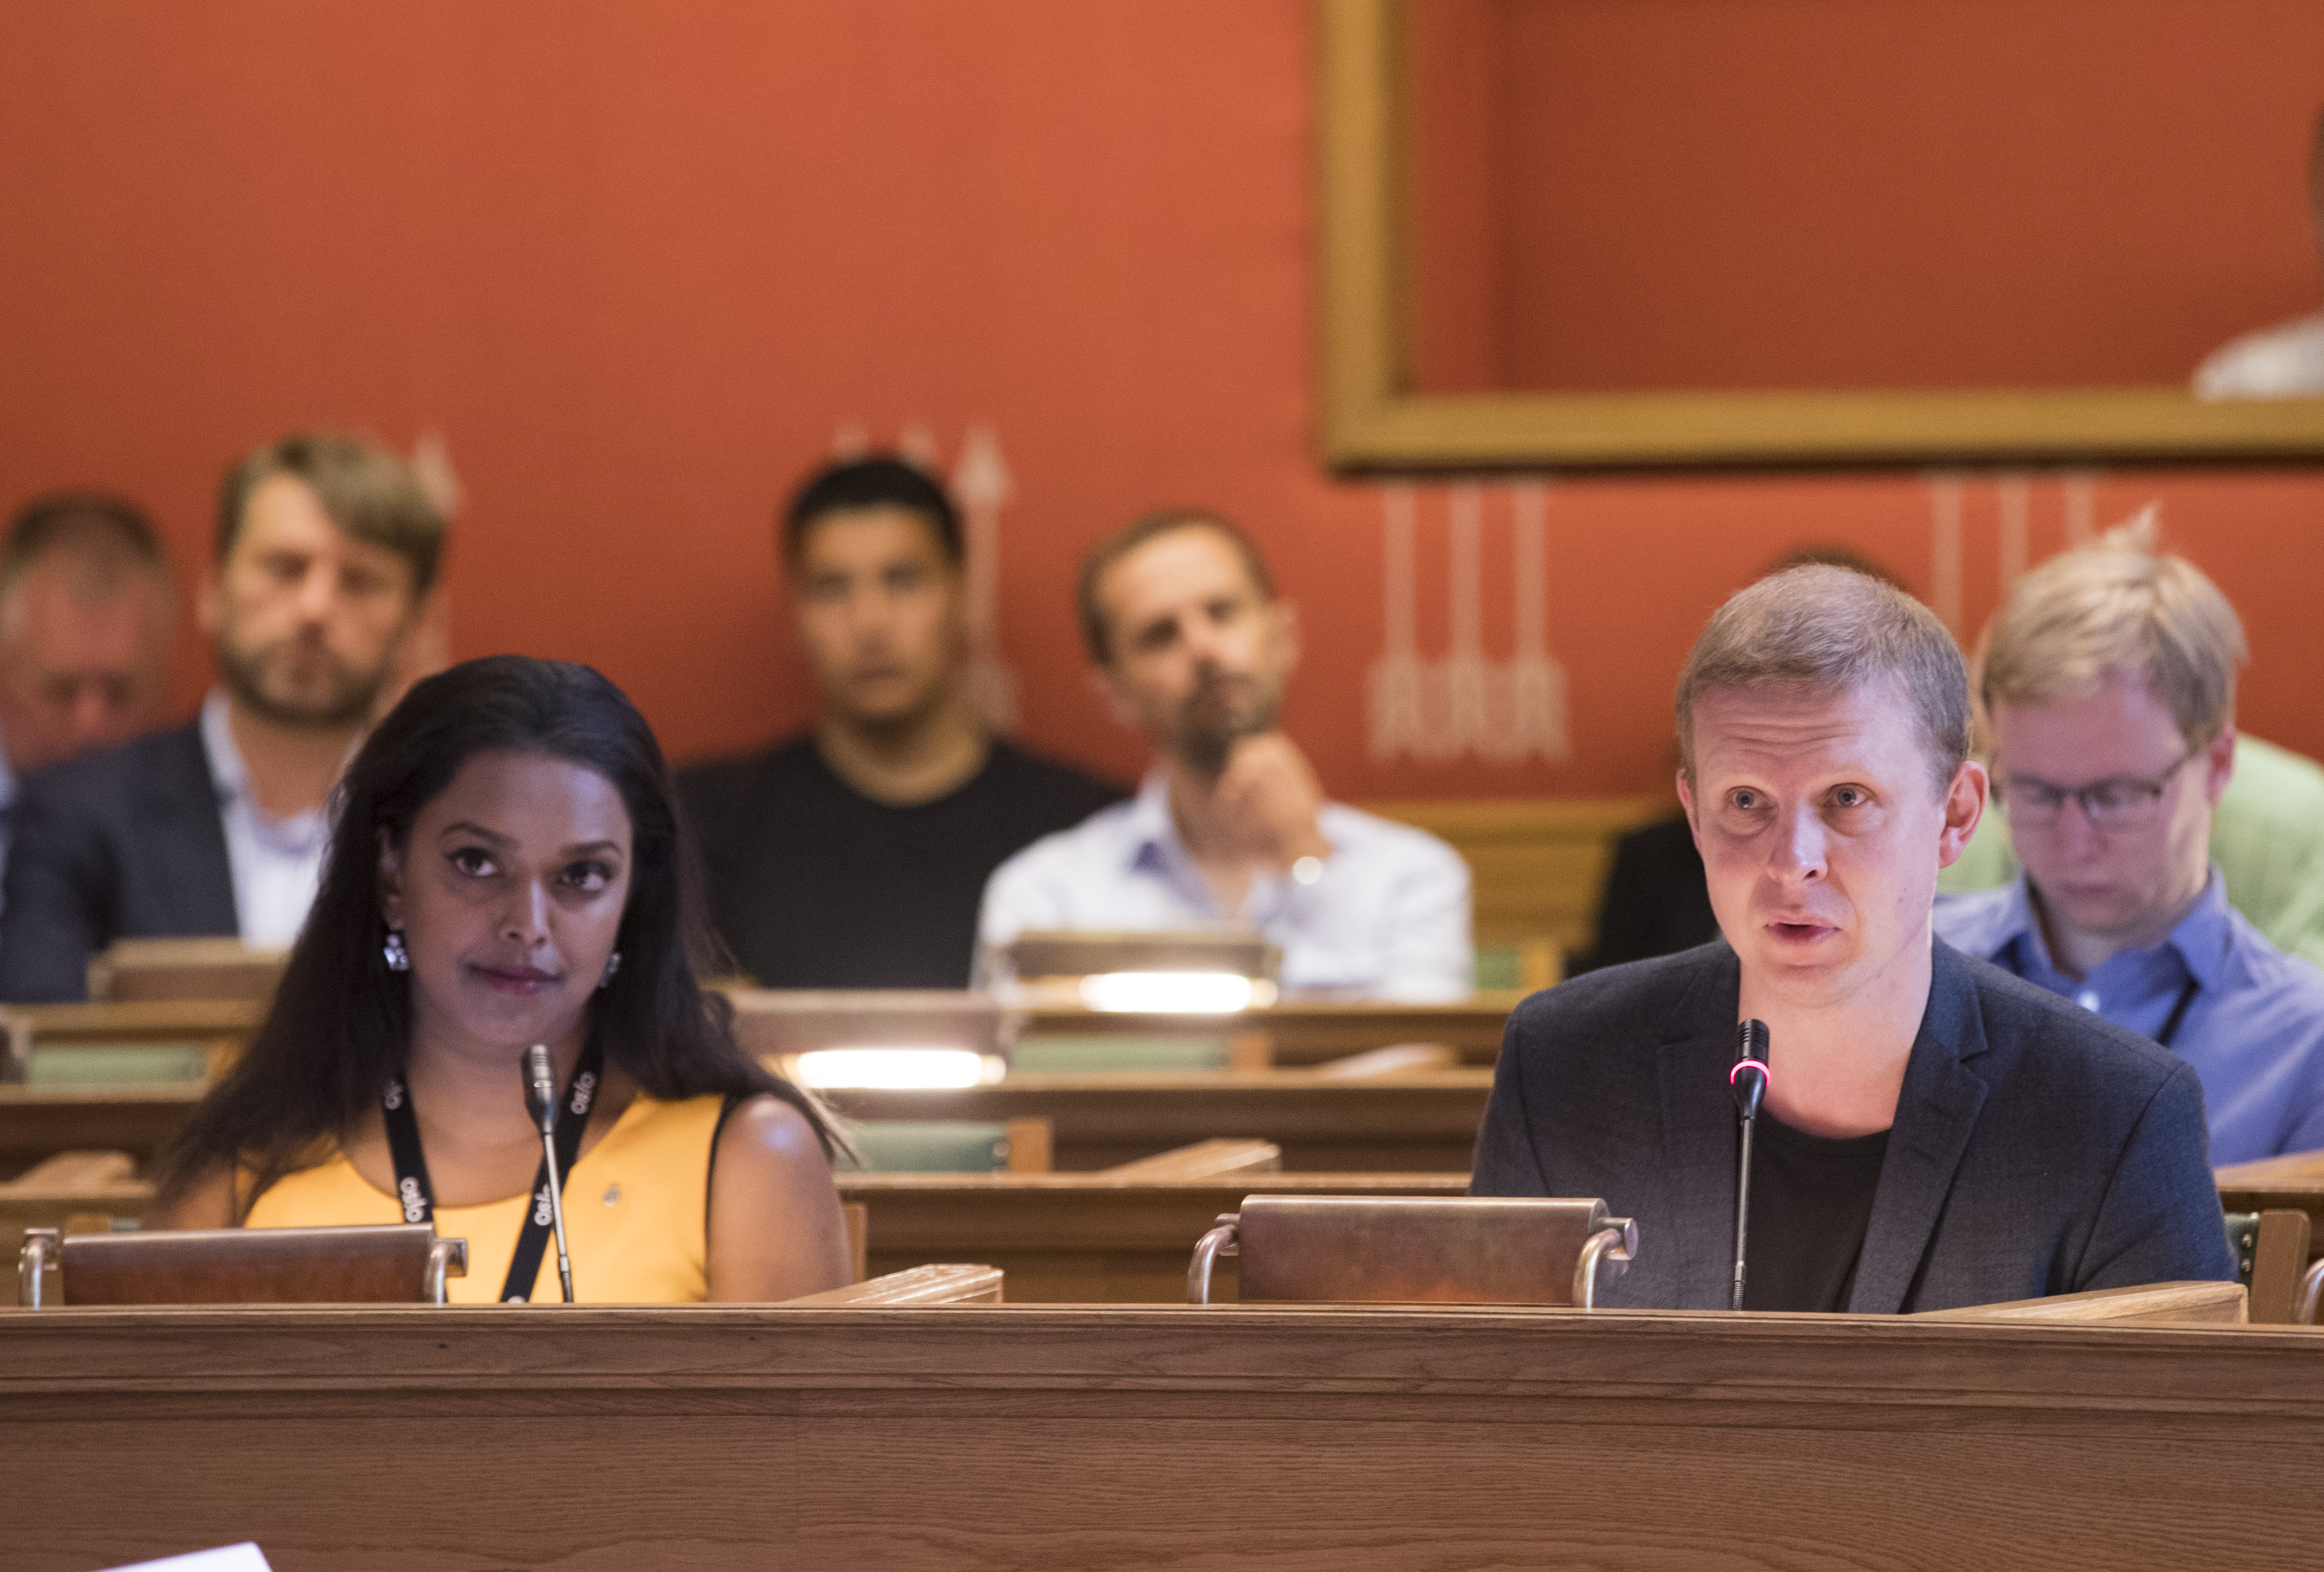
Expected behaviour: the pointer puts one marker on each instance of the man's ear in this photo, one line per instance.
(2219, 765)
(1108, 689)
(391, 881)
(1964, 805)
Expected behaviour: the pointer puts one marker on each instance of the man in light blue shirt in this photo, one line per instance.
(1190, 645)
(2108, 688)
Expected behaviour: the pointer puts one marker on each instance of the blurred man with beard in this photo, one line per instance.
(1190, 645)
(327, 553)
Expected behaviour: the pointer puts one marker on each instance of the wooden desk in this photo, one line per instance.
(38, 1122)
(1419, 1124)
(1297, 1034)
(1081, 1239)
(221, 1027)
(1303, 1034)
(2295, 1182)
(1061, 1238)
(1038, 1438)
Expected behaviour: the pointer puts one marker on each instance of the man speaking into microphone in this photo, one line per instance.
(1935, 1132)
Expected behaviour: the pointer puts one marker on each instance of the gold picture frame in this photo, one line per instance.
(1371, 421)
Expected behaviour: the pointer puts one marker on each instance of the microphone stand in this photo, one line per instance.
(540, 1092)
(1748, 1082)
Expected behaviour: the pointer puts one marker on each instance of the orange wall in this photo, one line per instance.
(636, 262)
(1697, 193)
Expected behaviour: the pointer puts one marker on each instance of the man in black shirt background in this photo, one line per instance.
(855, 857)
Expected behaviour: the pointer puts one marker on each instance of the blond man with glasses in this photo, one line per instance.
(2108, 683)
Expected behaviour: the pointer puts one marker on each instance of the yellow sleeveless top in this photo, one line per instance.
(636, 1213)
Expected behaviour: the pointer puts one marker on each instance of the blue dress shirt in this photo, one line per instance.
(2254, 1032)
(1388, 917)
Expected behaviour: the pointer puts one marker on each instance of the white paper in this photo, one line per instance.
(242, 1558)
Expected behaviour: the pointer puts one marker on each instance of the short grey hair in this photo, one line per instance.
(1821, 628)
(106, 543)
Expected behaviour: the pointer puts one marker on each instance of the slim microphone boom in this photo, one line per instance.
(540, 1096)
(1748, 1082)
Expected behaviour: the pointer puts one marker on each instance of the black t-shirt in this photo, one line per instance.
(813, 884)
(1810, 1200)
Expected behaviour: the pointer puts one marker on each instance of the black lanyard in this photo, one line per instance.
(418, 1196)
(2178, 1013)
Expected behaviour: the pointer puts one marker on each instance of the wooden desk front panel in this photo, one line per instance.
(2295, 1182)
(1422, 1123)
(1301, 1032)
(38, 1122)
(1068, 1239)
(1419, 1124)
(1225, 1437)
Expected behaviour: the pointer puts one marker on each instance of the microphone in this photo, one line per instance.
(540, 1089)
(540, 1096)
(1749, 1082)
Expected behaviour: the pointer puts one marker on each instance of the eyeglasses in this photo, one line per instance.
(2119, 802)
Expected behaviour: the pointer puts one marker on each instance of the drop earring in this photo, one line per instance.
(613, 965)
(398, 958)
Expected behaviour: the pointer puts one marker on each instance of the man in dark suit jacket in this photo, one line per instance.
(326, 554)
(2036, 1149)
(1936, 1133)
(123, 843)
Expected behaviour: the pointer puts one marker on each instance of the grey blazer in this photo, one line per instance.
(122, 844)
(2037, 1149)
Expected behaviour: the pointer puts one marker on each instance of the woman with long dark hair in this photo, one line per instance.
(507, 869)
